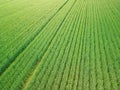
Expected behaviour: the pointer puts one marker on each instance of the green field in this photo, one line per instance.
(59, 44)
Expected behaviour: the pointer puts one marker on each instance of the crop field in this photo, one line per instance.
(59, 44)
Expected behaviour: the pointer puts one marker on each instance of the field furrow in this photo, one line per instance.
(60, 45)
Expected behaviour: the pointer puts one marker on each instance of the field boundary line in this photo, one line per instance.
(4, 68)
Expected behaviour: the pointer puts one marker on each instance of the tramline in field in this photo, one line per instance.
(59, 45)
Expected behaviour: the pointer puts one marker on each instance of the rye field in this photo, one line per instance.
(59, 44)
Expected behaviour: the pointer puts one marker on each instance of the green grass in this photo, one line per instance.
(59, 45)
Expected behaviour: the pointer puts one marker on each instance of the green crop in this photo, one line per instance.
(59, 44)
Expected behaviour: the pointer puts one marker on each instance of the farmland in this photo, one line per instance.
(59, 44)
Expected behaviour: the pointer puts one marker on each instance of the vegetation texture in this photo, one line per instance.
(59, 44)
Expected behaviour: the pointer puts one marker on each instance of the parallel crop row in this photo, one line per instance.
(60, 45)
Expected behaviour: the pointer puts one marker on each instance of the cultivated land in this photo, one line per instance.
(59, 44)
